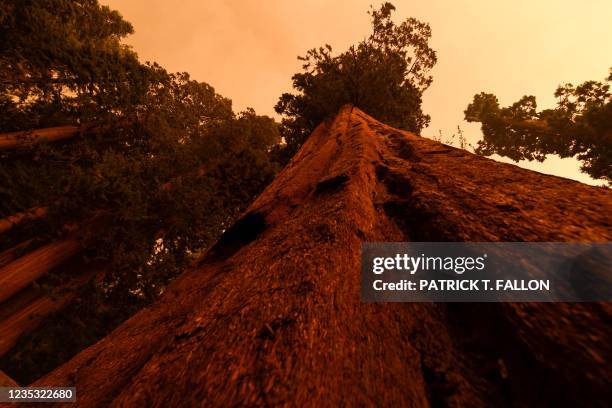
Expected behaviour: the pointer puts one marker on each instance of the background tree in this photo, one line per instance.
(385, 75)
(579, 126)
(171, 169)
(62, 61)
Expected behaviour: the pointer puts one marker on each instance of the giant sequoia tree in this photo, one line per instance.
(272, 316)
(579, 126)
(385, 75)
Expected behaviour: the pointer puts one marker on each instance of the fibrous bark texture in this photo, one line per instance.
(272, 315)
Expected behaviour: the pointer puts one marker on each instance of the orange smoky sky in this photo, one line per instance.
(247, 49)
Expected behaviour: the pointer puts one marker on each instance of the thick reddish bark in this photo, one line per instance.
(272, 315)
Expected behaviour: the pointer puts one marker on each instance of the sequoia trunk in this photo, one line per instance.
(272, 313)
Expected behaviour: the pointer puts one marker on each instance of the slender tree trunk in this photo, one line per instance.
(272, 314)
(13, 253)
(25, 138)
(6, 224)
(15, 140)
(25, 318)
(21, 272)
(26, 310)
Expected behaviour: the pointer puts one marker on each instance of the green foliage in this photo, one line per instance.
(163, 201)
(167, 185)
(173, 167)
(385, 75)
(62, 61)
(579, 126)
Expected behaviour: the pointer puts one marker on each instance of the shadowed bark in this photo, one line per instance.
(272, 315)
(6, 381)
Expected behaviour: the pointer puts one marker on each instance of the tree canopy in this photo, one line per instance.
(172, 167)
(62, 61)
(384, 74)
(579, 126)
